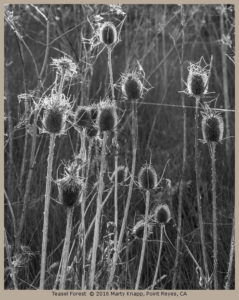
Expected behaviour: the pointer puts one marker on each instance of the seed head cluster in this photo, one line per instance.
(107, 118)
(197, 81)
(56, 109)
(212, 127)
(147, 177)
(108, 34)
(162, 214)
(69, 187)
(132, 87)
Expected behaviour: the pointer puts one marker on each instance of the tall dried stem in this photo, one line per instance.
(98, 212)
(231, 257)
(199, 204)
(46, 210)
(144, 241)
(116, 153)
(225, 84)
(212, 148)
(130, 190)
(159, 257)
(65, 251)
(180, 198)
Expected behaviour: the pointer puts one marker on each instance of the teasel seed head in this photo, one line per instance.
(162, 214)
(212, 127)
(82, 117)
(132, 87)
(147, 177)
(56, 109)
(197, 81)
(138, 229)
(108, 34)
(69, 186)
(197, 84)
(53, 120)
(107, 118)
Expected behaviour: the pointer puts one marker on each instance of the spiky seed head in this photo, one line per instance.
(82, 117)
(138, 229)
(162, 214)
(147, 177)
(91, 131)
(197, 83)
(56, 109)
(69, 186)
(212, 127)
(70, 193)
(53, 120)
(108, 34)
(132, 87)
(107, 117)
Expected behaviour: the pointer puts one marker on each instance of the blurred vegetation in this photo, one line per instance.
(151, 34)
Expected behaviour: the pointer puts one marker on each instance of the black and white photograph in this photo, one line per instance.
(119, 148)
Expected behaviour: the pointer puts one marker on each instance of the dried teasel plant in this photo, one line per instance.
(56, 109)
(147, 181)
(161, 216)
(69, 187)
(212, 131)
(106, 122)
(197, 87)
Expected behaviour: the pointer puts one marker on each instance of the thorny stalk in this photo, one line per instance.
(159, 257)
(46, 210)
(98, 212)
(199, 204)
(144, 241)
(122, 230)
(231, 257)
(212, 149)
(116, 153)
(65, 252)
(81, 228)
(180, 198)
